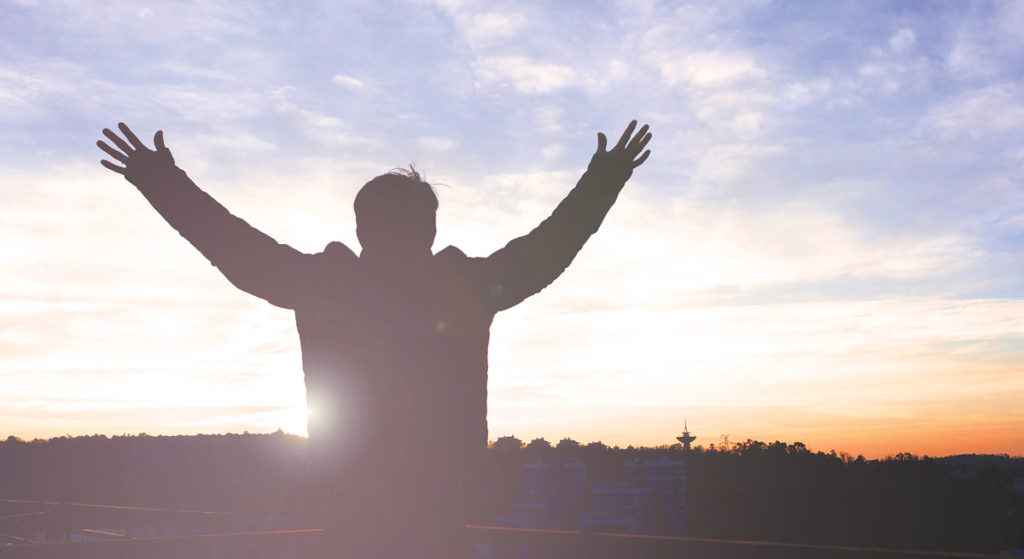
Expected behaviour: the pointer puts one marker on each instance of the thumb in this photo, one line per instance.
(158, 140)
(602, 142)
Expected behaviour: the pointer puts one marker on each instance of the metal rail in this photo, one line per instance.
(569, 543)
(211, 546)
(560, 544)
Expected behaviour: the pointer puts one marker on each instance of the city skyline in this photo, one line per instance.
(825, 245)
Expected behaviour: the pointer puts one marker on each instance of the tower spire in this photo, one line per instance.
(686, 438)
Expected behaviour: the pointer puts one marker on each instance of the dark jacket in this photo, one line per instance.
(395, 359)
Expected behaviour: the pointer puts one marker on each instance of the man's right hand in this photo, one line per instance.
(626, 152)
(139, 162)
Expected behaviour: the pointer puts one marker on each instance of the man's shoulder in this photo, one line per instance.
(453, 261)
(453, 257)
(451, 254)
(334, 258)
(336, 251)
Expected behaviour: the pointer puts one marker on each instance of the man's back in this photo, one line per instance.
(396, 366)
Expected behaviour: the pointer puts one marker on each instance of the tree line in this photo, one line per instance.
(750, 490)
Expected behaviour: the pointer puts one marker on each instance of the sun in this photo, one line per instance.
(293, 420)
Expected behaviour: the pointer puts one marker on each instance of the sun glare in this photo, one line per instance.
(293, 420)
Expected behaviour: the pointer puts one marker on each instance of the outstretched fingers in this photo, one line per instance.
(130, 136)
(626, 136)
(121, 144)
(639, 141)
(629, 145)
(643, 158)
(112, 167)
(126, 150)
(112, 152)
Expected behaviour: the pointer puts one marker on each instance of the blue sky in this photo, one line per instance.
(824, 246)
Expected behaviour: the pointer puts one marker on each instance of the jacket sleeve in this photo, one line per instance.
(530, 263)
(248, 258)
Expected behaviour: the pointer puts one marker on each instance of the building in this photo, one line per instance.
(554, 494)
(650, 500)
(665, 483)
(618, 507)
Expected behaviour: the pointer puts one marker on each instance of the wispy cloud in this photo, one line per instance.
(348, 81)
(712, 69)
(522, 74)
(976, 114)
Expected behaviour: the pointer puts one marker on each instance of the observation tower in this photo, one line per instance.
(686, 438)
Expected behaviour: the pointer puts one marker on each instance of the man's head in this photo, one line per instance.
(396, 215)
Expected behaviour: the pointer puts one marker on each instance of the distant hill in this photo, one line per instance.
(1013, 466)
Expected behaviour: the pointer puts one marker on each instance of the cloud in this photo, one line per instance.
(731, 163)
(859, 360)
(1010, 19)
(33, 90)
(480, 213)
(969, 59)
(992, 109)
(800, 93)
(523, 74)
(553, 151)
(709, 69)
(794, 250)
(157, 23)
(618, 70)
(746, 125)
(489, 27)
(325, 130)
(904, 40)
(438, 143)
(883, 75)
(549, 118)
(481, 27)
(347, 81)
(249, 144)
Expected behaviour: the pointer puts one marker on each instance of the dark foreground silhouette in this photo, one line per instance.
(394, 340)
(751, 491)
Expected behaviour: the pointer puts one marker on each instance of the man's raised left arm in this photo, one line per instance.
(531, 262)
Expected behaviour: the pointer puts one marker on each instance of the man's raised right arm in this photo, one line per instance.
(250, 259)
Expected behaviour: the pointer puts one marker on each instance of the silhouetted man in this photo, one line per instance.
(394, 340)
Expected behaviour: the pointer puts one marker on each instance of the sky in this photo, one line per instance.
(825, 245)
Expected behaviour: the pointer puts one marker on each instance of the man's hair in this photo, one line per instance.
(397, 194)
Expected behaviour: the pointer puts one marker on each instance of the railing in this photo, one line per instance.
(566, 543)
(205, 545)
(545, 544)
